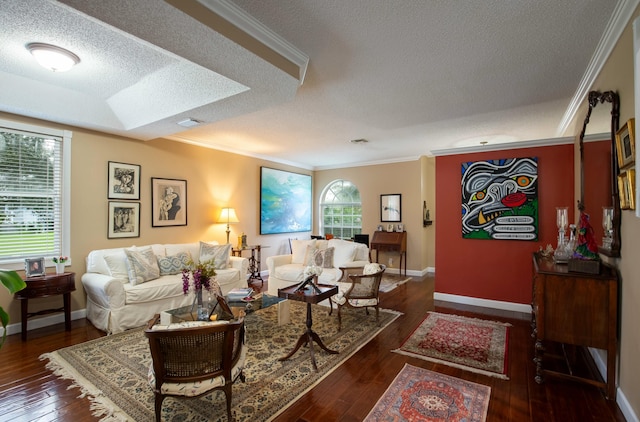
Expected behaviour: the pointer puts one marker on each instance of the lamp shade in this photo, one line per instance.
(228, 216)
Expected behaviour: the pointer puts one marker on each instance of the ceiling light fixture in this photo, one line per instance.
(53, 57)
(358, 141)
(189, 123)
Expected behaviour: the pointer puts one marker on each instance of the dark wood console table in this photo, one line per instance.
(45, 286)
(577, 309)
(254, 261)
(391, 241)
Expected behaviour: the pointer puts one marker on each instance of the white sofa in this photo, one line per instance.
(115, 304)
(285, 270)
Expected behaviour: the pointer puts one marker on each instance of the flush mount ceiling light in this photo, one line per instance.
(53, 57)
(189, 122)
(358, 141)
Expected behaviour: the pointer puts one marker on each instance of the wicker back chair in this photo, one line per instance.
(185, 357)
(358, 291)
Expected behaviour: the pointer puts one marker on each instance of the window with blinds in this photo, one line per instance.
(31, 194)
(341, 210)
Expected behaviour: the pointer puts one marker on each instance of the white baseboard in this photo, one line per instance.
(599, 357)
(485, 303)
(34, 324)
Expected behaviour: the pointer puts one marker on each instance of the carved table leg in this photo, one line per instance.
(538, 360)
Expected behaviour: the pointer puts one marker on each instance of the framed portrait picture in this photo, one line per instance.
(34, 267)
(626, 144)
(124, 220)
(390, 208)
(623, 191)
(123, 181)
(168, 202)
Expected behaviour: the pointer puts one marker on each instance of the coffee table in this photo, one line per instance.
(262, 301)
(311, 294)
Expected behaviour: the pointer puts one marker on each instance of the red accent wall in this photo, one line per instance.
(497, 269)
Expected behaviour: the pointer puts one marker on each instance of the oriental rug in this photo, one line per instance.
(112, 370)
(468, 343)
(417, 394)
(391, 281)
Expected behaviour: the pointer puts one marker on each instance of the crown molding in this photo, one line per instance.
(619, 19)
(504, 146)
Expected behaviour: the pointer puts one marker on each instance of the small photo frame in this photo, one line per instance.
(389, 228)
(168, 202)
(400, 228)
(34, 267)
(623, 191)
(124, 220)
(124, 181)
(391, 208)
(631, 188)
(626, 144)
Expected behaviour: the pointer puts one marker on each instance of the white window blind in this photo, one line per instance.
(31, 195)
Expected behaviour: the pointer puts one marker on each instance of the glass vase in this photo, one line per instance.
(203, 312)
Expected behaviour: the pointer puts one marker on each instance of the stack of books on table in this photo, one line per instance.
(238, 294)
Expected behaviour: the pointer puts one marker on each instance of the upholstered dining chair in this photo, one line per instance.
(193, 361)
(359, 290)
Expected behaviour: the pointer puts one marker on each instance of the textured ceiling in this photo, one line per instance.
(411, 77)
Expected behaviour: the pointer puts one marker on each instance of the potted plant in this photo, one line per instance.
(14, 283)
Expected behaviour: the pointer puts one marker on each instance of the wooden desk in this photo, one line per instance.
(577, 309)
(391, 241)
(45, 286)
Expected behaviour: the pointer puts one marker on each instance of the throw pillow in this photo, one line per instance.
(309, 256)
(371, 268)
(142, 265)
(299, 250)
(174, 264)
(219, 253)
(117, 264)
(324, 257)
(344, 252)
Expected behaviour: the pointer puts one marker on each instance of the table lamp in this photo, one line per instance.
(228, 216)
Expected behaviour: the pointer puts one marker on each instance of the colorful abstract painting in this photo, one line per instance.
(285, 201)
(500, 199)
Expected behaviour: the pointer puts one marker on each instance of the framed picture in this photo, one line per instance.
(631, 187)
(285, 201)
(34, 267)
(124, 220)
(168, 202)
(391, 208)
(400, 228)
(626, 144)
(623, 191)
(123, 181)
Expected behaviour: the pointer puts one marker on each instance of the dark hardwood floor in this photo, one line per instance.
(29, 392)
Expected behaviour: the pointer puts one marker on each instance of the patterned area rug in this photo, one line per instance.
(112, 370)
(391, 281)
(472, 344)
(417, 394)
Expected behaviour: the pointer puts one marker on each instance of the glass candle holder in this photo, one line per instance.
(562, 221)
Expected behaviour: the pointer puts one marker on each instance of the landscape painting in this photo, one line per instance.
(285, 201)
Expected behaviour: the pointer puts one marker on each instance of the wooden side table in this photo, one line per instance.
(45, 286)
(254, 261)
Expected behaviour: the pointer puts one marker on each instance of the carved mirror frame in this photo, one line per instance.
(594, 98)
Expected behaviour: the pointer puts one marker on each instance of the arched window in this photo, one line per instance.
(341, 210)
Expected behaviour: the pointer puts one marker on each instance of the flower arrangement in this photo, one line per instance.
(201, 274)
(60, 259)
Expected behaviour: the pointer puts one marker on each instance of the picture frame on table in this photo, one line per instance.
(391, 208)
(631, 188)
(34, 267)
(626, 144)
(123, 181)
(124, 220)
(168, 202)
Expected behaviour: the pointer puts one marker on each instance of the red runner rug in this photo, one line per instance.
(417, 394)
(472, 344)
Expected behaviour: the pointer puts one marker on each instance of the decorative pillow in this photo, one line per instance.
(219, 253)
(299, 250)
(371, 268)
(324, 257)
(344, 252)
(309, 255)
(117, 264)
(174, 264)
(142, 265)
